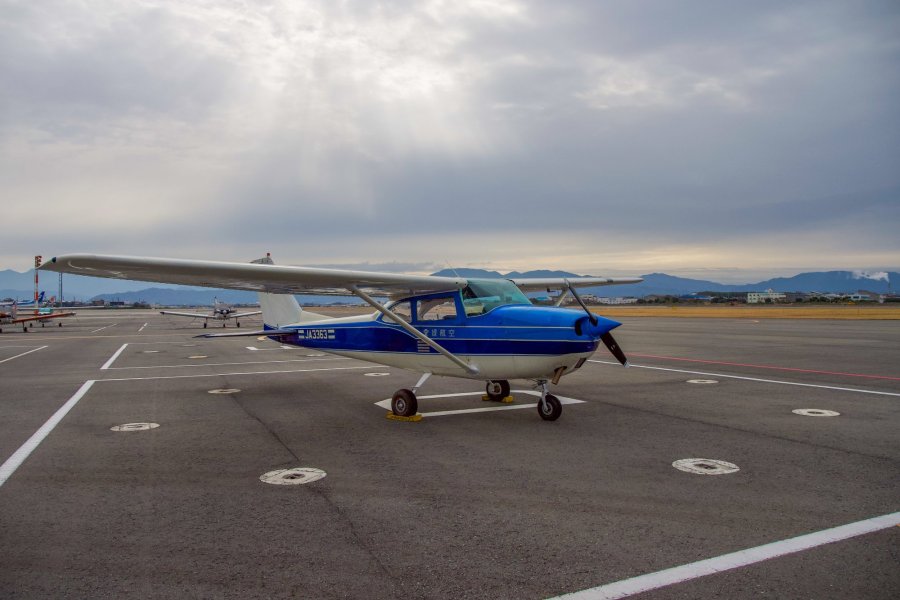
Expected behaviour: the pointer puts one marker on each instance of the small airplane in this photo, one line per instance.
(481, 329)
(9, 315)
(221, 312)
(26, 303)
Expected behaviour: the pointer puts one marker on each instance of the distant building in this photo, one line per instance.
(618, 300)
(767, 296)
(865, 296)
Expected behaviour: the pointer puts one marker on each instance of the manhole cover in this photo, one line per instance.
(705, 466)
(225, 391)
(198, 356)
(135, 427)
(816, 412)
(702, 381)
(376, 374)
(296, 476)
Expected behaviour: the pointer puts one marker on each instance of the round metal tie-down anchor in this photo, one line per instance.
(295, 476)
(816, 412)
(149, 351)
(224, 391)
(705, 466)
(315, 354)
(702, 381)
(196, 356)
(376, 374)
(134, 427)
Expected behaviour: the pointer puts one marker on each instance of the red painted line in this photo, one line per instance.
(770, 367)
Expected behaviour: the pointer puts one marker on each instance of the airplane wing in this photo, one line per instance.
(184, 314)
(244, 314)
(275, 279)
(543, 283)
(42, 317)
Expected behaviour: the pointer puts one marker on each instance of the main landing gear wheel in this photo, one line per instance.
(238, 323)
(205, 324)
(404, 403)
(550, 408)
(497, 390)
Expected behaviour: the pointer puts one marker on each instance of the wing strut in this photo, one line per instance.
(590, 315)
(413, 331)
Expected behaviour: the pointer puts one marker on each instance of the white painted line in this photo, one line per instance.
(23, 354)
(113, 358)
(102, 328)
(255, 349)
(142, 327)
(14, 461)
(386, 404)
(742, 558)
(256, 362)
(810, 385)
(18, 346)
(229, 374)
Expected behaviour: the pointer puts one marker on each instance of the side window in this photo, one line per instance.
(401, 309)
(438, 309)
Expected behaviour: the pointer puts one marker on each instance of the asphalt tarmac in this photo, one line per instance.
(477, 500)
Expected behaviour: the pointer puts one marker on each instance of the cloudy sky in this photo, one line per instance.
(724, 140)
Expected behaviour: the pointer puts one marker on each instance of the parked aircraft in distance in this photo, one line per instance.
(483, 329)
(9, 315)
(221, 312)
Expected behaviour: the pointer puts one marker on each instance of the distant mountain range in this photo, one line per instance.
(20, 285)
(837, 282)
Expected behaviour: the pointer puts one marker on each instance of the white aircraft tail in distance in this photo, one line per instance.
(481, 329)
(220, 312)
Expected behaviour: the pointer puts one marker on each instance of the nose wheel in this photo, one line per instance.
(550, 408)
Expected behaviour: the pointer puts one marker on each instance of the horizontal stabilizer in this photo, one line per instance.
(259, 332)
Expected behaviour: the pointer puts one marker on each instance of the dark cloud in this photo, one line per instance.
(353, 131)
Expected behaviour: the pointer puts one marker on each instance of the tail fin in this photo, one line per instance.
(279, 310)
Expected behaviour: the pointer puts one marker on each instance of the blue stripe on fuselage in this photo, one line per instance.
(506, 330)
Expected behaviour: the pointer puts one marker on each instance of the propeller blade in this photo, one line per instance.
(614, 348)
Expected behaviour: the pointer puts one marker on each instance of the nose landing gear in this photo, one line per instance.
(550, 408)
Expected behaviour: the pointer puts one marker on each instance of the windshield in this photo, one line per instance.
(483, 295)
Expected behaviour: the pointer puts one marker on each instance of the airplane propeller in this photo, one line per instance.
(607, 338)
(613, 346)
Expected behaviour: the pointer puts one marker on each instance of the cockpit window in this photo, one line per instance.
(402, 309)
(484, 295)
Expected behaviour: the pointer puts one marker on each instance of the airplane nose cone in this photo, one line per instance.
(602, 327)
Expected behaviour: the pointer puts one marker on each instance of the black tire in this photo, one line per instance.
(238, 324)
(205, 324)
(404, 403)
(497, 390)
(553, 408)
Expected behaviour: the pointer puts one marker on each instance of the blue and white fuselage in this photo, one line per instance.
(508, 341)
